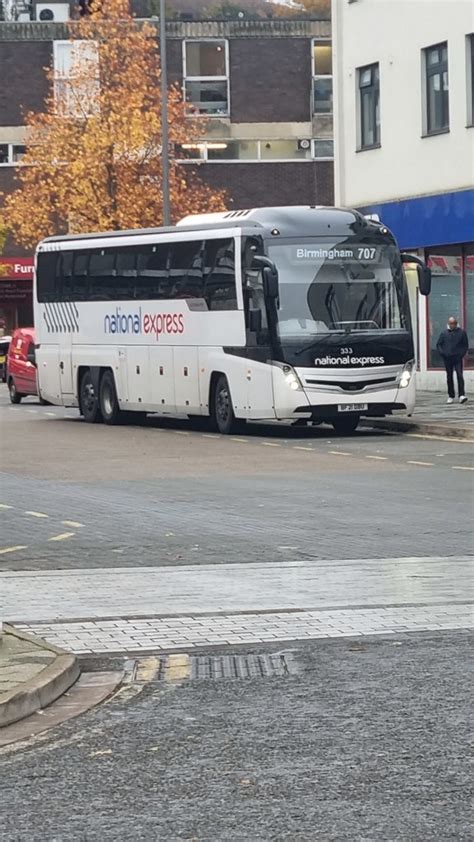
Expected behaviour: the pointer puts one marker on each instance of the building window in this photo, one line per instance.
(452, 294)
(215, 151)
(206, 77)
(322, 77)
(437, 88)
(470, 79)
(323, 148)
(11, 153)
(369, 106)
(76, 83)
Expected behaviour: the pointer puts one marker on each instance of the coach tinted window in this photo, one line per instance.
(186, 270)
(220, 288)
(102, 277)
(126, 262)
(46, 276)
(79, 283)
(153, 272)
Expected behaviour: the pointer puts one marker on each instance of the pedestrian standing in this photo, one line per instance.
(452, 345)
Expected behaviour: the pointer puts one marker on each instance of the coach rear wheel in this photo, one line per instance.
(222, 412)
(88, 399)
(345, 426)
(108, 401)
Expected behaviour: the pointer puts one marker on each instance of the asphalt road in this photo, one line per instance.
(78, 495)
(365, 741)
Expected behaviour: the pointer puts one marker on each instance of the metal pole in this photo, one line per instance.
(165, 161)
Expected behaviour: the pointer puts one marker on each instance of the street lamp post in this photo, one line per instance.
(165, 161)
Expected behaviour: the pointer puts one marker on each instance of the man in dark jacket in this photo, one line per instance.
(452, 345)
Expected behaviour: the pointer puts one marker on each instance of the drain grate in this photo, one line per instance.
(241, 666)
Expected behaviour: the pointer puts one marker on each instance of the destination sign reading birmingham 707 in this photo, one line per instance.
(355, 252)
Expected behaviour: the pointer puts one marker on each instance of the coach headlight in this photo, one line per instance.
(406, 375)
(291, 378)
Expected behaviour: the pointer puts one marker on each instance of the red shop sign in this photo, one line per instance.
(16, 269)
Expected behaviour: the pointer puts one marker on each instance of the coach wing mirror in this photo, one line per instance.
(269, 275)
(31, 356)
(422, 270)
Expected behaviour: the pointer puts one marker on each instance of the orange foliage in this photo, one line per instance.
(93, 159)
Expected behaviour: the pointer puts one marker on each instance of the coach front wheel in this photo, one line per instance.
(222, 412)
(89, 400)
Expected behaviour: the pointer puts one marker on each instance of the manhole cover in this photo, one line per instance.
(241, 666)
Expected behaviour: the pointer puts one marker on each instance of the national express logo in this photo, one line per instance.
(159, 324)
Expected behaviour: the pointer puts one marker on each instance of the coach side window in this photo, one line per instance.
(79, 281)
(126, 260)
(46, 276)
(153, 272)
(186, 270)
(219, 269)
(102, 276)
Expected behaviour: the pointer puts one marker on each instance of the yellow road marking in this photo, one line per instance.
(36, 514)
(462, 468)
(424, 464)
(178, 668)
(380, 458)
(340, 453)
(300, 447)
(4, 506)
(147, 669)
(73, 523)
(270, 444)
(12, 549)
(63, 537)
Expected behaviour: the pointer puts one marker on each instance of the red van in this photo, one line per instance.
(21, 364)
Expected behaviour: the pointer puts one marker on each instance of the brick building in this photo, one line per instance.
(265, 85)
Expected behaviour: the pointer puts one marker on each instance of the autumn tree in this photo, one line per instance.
(93, 159)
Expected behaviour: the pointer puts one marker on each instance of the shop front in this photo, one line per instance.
(440, 229)
(16, 293)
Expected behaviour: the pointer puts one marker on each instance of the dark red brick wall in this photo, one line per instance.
(261, 184)
(24, 84)
(270, 80)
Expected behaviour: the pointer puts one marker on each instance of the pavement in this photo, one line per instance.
(33, 674)
(432, 416)
(292, 612)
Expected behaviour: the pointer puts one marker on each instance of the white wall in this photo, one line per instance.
(393, 33)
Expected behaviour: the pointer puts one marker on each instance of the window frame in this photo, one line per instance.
(203, 158)
(11, 146)
(315, 76)
(225, 78)
(374, 89)
(59, 79)
(470, 80)
(428, 72)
